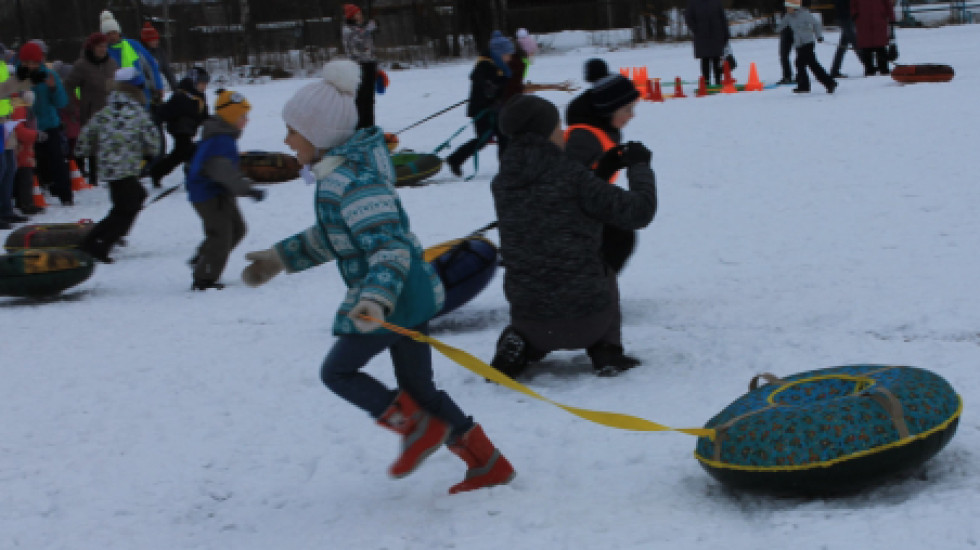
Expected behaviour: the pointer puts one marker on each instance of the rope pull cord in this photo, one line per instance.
(478, 367)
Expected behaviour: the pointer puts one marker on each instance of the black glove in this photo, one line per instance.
(609, 163)
(23, 72)
(256, 194)
(635, 152)
(38, 76)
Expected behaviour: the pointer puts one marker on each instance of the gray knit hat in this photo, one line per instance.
(525, 114)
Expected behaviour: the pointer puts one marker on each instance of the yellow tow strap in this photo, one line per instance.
(611, 419)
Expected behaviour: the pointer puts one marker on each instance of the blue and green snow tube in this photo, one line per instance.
(411, 168)
(832, 430)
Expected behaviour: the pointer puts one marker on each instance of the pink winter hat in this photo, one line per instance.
(527, 42)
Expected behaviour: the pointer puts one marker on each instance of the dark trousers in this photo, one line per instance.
(869, 56)
(364, 100)
(52, 168)
(807, 59)
(848, 37)
(617, 246)
(182, 152)
(341, 372)
(711, 65)
(8, 168)
(24, 189)
(127, 197)
(224, 228)
(786, 46)
(548, 335)
(486, 128)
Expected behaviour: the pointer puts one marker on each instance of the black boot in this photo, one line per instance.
(97, 249)
(201, 284)
(609, 359)
(511, 355)
(455, 166)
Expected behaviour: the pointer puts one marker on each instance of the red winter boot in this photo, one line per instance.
(487, 466)
(421, 433)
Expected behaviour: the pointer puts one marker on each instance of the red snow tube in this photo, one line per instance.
(910, 74)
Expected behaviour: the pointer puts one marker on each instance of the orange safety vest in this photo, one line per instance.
(604, 141)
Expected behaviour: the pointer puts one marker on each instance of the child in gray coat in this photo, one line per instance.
(806, 30)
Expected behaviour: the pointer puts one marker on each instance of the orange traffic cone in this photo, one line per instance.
(754, 84)
(39, 201)
(78, 182)
(702, 88)
(654, 93)
(640, 81)
(625, 71)
(678, 88)
(728, 83)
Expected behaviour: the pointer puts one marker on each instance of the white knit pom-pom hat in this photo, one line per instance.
(324, 111)
(108, 23)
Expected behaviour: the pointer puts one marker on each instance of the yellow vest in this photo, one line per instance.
(129, 56)
(6, 108)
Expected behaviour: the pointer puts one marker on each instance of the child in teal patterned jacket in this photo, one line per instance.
(360, 223)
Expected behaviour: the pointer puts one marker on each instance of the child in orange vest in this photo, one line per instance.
(595, 122)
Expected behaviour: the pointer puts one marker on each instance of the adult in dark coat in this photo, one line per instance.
(871, 18)
(88, 82)
(707, 22)
(551, 211)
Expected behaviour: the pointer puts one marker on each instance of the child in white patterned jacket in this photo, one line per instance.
(124, 136)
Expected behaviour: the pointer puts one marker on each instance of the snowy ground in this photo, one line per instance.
(793, 233)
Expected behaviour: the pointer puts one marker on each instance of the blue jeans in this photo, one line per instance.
(341, 372)
(8, 167)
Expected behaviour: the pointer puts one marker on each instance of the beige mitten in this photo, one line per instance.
(265, 265)
(370, 308)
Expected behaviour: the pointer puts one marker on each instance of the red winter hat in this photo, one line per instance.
(149, 33)
(94, 40)
(30, 51)
(350, 10)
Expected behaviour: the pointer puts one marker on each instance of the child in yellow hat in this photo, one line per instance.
(214, 180)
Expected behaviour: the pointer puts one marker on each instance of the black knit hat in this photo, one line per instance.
(595, 69)
(525, 114)
(611, 93)
(198, 75)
